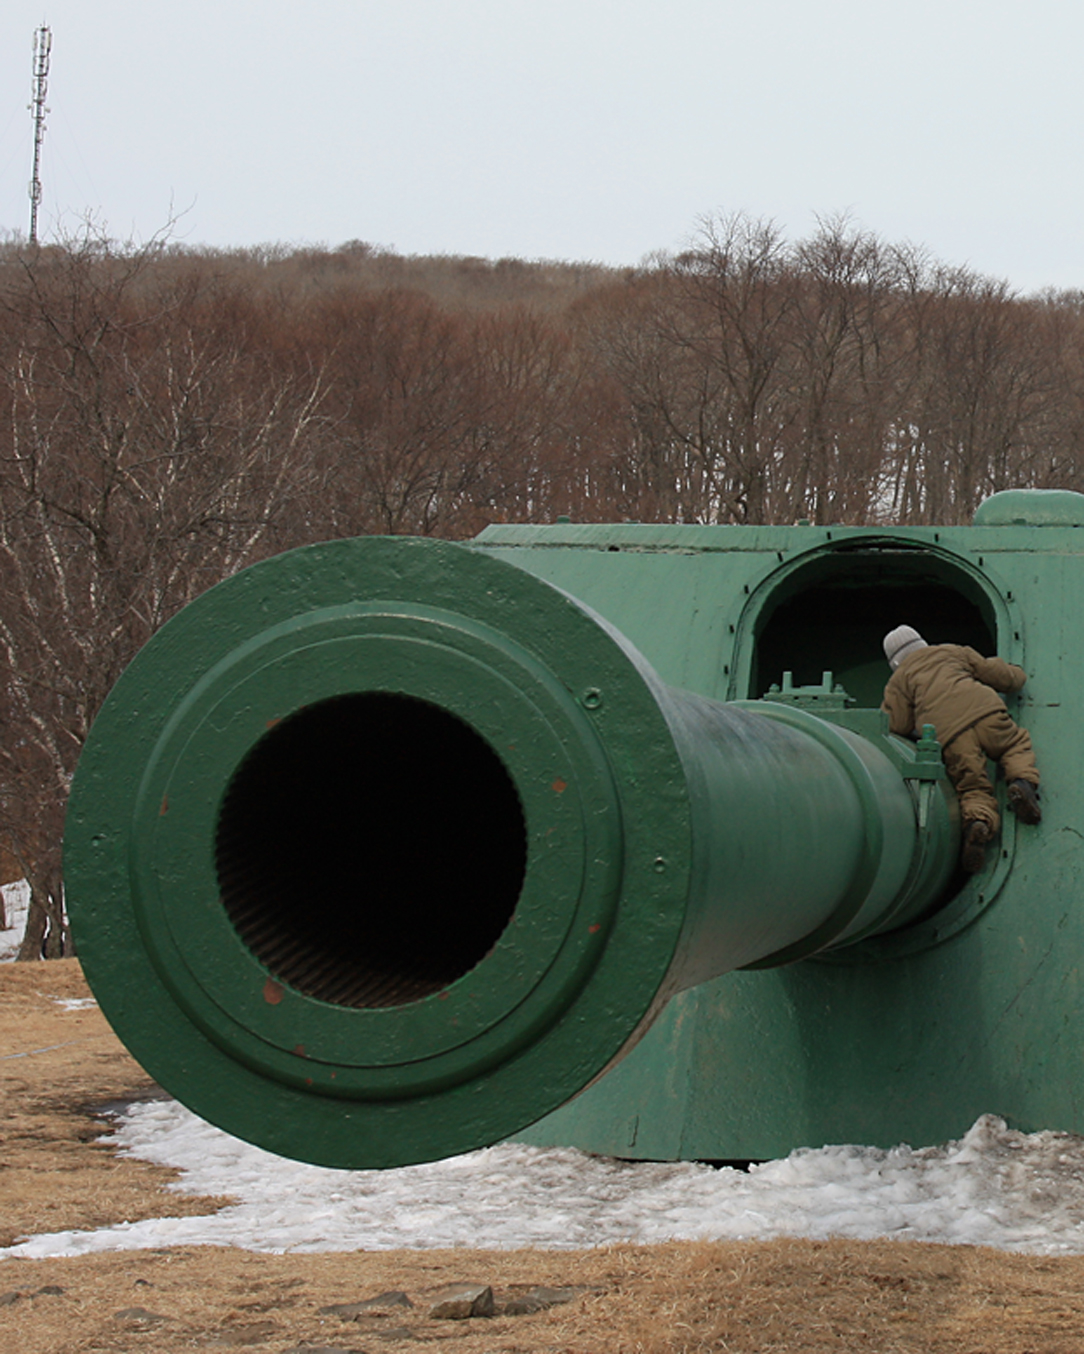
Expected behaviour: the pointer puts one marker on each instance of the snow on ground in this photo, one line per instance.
(16, 902)
(993, 1187)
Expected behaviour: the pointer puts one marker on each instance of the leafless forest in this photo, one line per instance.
(173, 414)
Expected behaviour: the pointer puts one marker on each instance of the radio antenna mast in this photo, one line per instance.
(43, 45)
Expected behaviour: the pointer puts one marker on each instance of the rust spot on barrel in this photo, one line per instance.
(272, 992)
(560, 786)
(165, 806)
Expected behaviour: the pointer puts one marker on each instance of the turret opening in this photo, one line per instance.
(371, 850)
(832, 615)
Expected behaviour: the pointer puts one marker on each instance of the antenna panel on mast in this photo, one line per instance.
(43, 45)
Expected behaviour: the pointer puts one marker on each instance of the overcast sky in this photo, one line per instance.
(574, 129)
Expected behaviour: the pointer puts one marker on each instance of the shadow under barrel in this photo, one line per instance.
(384, 848)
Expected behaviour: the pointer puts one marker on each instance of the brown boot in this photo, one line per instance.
(1024, 801)
(976, 835)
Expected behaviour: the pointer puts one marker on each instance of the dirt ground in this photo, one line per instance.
(58, 1066)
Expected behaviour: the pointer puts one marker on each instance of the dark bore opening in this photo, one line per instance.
(371, 849)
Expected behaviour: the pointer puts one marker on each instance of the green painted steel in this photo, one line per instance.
(387, 848)
(1032, 508)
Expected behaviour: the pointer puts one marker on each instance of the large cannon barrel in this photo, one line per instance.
(383, 849)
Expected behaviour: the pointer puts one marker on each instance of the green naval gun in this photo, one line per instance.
(386, 849)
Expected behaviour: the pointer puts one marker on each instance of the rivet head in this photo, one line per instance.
(591, 698)
(659, 866)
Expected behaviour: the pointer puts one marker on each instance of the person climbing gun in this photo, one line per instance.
(953, 687)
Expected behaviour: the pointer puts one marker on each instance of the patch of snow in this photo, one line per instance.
(16, 905)
(993, 1187)
(75, 1003)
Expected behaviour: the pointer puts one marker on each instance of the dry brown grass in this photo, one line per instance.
(56, 1067)
(803, 1296)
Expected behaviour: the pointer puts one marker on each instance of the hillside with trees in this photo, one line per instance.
(173, 414)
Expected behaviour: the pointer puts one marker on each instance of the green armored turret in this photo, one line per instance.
(386, 849)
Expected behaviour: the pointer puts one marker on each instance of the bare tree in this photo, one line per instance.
(171, 415)
(148, 449)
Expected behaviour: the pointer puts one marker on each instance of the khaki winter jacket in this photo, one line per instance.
(949, 686)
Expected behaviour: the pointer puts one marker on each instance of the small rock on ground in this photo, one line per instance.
(396, 1298)
(139, 1314)
(538, 1299)
(350, 1311)
(459, 1301)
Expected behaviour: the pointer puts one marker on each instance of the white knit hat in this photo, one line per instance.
(901, 642)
